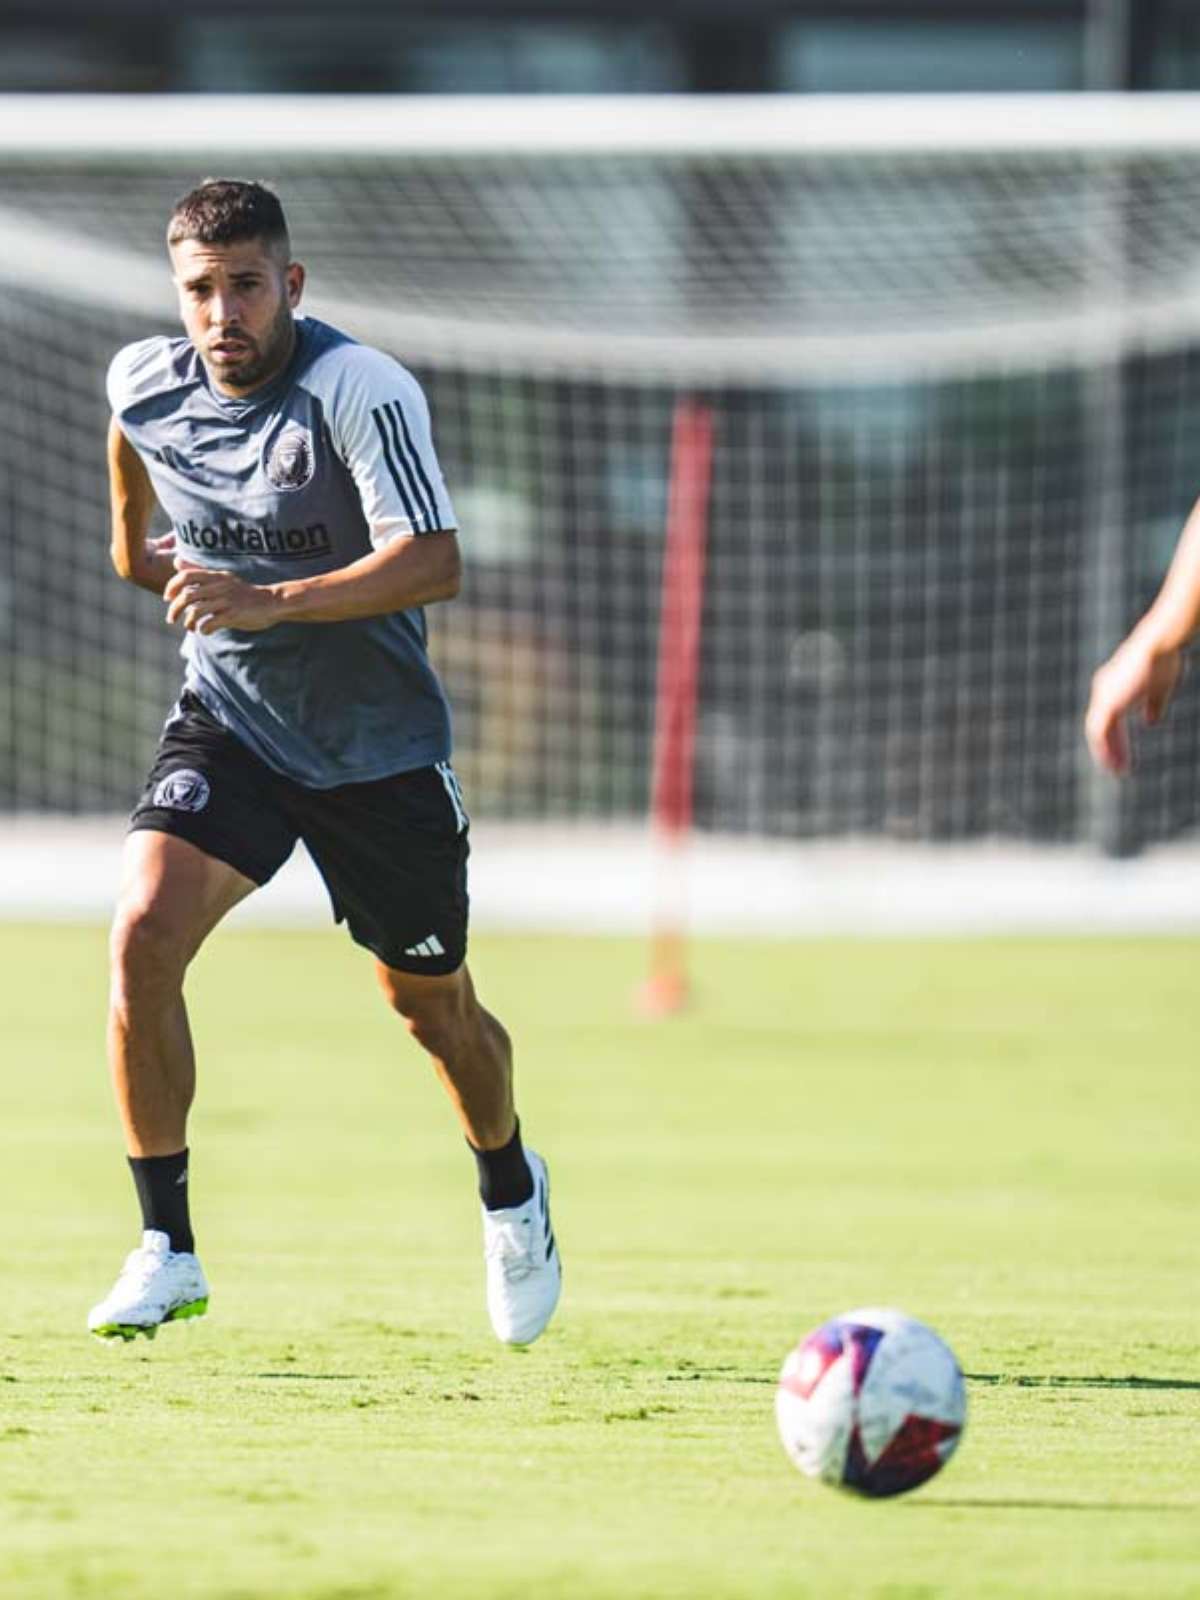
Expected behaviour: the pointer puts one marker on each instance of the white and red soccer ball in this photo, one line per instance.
(872, 1401)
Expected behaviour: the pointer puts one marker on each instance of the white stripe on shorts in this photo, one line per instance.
(451, 785)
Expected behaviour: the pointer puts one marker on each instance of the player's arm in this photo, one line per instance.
(138, 558)
(1144, 670)
(380, 427)
(409, 571)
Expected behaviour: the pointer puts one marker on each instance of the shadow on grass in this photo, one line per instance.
(315, 1377)
(1026, 1380)
(964, 1504)
(1000, 1380)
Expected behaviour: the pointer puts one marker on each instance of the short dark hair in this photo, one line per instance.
(225, 210)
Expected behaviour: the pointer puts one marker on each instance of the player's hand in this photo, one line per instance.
(1133, 678)
(204, 599)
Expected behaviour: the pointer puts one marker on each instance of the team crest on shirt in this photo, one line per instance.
(290, 461)
(184, 790)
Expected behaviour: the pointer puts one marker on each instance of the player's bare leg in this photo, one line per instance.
(172, 896)
(472, 1055)
(470, 1051)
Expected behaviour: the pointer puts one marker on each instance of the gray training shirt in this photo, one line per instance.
(330, 460)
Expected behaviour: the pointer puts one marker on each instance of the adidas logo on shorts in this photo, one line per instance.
(431, 946)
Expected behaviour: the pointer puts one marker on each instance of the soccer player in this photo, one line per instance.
(310, 526)
(1143, 672)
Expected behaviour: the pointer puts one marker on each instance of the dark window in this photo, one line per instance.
(377, 54)
(1174, 50)
(875, 55)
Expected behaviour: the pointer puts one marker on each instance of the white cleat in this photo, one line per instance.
(524, 1274)
(156, 1285)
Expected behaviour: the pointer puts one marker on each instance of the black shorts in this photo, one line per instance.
(393, 853)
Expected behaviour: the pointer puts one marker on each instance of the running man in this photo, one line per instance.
(310, 526)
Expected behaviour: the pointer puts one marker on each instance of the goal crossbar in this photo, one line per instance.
(101, 127)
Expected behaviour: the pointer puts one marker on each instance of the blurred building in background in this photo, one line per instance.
(599, 46)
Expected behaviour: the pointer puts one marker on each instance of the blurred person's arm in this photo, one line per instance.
(137, 558)
(1144, 670)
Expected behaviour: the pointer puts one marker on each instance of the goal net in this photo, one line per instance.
(949, 351)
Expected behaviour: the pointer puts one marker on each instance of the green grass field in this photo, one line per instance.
(1000, 1137)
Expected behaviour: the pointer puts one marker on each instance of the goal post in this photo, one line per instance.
(949, 352)
(681, 618)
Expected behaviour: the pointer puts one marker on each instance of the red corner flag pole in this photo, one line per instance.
(682, 606)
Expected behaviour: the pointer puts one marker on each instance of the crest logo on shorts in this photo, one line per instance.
(184, 790)
(290, 463)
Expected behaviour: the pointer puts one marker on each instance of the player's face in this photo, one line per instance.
(236, 301)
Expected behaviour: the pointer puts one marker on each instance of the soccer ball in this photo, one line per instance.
(873, 1402)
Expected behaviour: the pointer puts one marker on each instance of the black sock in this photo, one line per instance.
(504, 1176)
(162, 1186)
